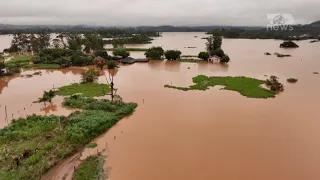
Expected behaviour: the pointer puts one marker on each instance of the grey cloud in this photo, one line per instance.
(154, 12)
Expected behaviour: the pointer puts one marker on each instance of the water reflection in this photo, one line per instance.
(213, 67)
(156, 64)
(49, 108)
(172, 66)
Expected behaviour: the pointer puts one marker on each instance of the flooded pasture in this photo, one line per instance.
(213, 134)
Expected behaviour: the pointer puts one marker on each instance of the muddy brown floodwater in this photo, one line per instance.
(210, 134)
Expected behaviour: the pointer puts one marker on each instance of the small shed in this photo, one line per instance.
(128, 60)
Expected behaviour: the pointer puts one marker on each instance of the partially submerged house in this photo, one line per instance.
(130, 60)
(214, 58)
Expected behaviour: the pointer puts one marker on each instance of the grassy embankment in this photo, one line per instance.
(90, 169)
(248, 87)
(40, 142)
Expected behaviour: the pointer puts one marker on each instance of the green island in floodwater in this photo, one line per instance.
(87, 89)
(246, 86)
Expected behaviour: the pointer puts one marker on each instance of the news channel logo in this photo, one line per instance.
(280, 22)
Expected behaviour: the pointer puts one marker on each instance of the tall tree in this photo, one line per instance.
(214, 42)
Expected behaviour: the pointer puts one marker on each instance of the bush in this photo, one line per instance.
(121, 52)
(288, 44)
(90, 75)
(204, 55)
(292, 80)
(219, 52)
(155, 53)
(172, 54)
(64, 62)
(274, 84)
(225, 59)
(80, 59)
(102, 53)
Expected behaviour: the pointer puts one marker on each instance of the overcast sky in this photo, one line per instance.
(154, 12)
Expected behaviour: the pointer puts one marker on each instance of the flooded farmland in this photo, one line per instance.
(212, 134)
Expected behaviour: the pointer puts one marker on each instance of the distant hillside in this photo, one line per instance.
(9, 29)
(316, 23)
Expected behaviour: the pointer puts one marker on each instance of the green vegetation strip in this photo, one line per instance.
(129, 49)
(189, 60)
(45, 66)
(248, 87)
(92, 145)
(90, 169)
(20, 61)
(87, 89)
(40, 142)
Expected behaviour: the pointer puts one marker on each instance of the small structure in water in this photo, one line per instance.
(214, 58)
(130, 60)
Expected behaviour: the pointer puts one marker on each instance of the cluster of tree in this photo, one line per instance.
(102, 53)
(155, 53)
(137, 39)
(288, 44)
(90, 75)
(63, 57)
(172, 54)
(123, 53)
(24, 43)
(213, 45)
(204, 55)
(274, 84)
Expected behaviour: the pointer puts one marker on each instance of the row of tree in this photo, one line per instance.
(213, 44)
(23, 43)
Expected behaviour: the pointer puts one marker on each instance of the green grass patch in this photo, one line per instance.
(292, 80)
(87, 89)
(189, 56)
(44, 66)
(92, 145)
(189, 60)
(90, 169)
(19, 61)
(50, 139)
(129, 49)
(246, 86)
